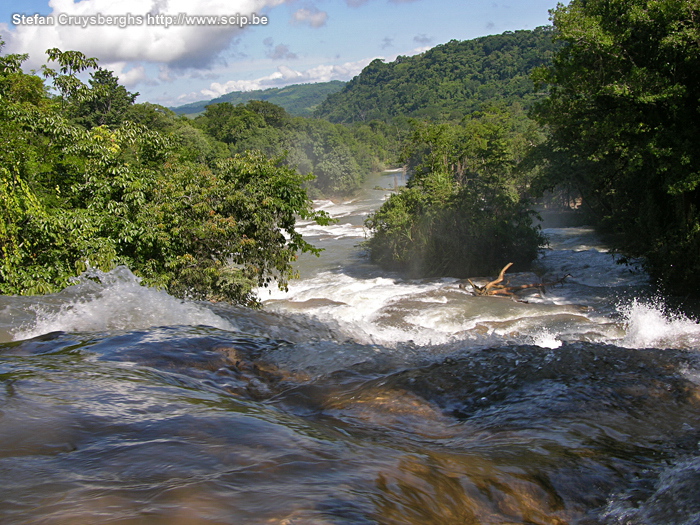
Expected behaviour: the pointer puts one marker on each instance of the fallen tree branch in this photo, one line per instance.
(496, 288)
(484, 290)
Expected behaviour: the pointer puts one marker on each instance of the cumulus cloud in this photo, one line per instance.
(282, 51)
(131, 77)
(284, 76)
(419, 50)
(165, 74)
(187, 45)
(311, 16)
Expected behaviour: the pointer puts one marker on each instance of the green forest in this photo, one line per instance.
(612, 119)
(603, 104)
(339, 157)
(447, 81)
(459, 115)
(623, 120)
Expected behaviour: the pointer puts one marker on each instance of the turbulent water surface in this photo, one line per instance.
(355, 397)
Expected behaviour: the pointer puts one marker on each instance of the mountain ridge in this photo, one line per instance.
(445, 82)
(298, 100)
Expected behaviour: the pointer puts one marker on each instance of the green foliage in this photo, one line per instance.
(623, 115)
(65, 80)
(103, 102)
(338, 158)
(97, 181)
(220, 232)
(446, 82)
(20, 206)
(193, 143)
(463, 212)
(108, 101)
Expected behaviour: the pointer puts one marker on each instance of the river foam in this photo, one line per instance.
(380, 310)
(115, 300)
(650, 324)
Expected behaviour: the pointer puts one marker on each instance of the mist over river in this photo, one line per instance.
(355, 397)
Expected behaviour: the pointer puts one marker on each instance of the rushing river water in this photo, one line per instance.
(355, 397)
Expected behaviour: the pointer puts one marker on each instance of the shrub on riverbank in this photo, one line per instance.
(464, 211)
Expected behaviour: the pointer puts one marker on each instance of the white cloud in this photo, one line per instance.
(136, 75)
(357, 3)
(132, 76)
(313, 16)
(177, 45)
(284, 76)
(419, 50)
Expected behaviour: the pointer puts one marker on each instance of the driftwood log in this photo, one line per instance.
(498, 287)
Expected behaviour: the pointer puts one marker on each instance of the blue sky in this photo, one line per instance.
(302, 41)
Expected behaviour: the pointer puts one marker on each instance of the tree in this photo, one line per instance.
(106, 103)
(220, 232)
(103, 102)
(338, 158)
(65, 80)
(464, 211)
(231, 124)
(623, 119)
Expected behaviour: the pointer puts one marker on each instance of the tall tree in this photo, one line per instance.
(107, 102)
(65, 80)
(624, 119)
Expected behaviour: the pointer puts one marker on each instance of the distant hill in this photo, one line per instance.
(299, 99)
(445, 82)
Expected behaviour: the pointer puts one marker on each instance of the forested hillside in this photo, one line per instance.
(299, 100)
(447, 81)
(339, 157)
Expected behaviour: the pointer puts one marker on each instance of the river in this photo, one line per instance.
(355, 397)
